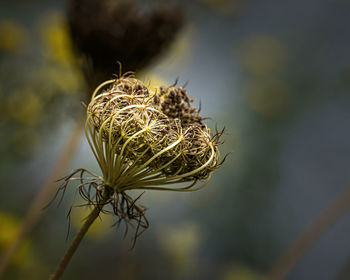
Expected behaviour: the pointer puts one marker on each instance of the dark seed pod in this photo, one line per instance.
(176, 104)
(106, 31)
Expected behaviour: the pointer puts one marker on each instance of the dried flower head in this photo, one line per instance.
(140, 143)
(145, 140)
(123, 30)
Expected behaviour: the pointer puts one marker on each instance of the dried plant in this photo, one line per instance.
(142, 140)
(123, 30)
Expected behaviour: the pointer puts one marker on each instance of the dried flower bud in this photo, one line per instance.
(140, 141)
(176, 104)
(143, 140)
(106, 31)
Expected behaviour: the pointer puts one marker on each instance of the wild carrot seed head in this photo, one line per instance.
(143, 139)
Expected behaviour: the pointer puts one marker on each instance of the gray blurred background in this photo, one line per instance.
(276, 74)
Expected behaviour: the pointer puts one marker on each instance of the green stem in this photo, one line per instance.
(72, 248)
(35, 209)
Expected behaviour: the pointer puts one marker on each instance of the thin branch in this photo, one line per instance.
(313, 232)
(73, 247)
(35, 210)
(344, 273)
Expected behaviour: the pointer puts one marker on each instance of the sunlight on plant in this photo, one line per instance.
(99, 229)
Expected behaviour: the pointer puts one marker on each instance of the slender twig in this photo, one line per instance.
(35, 210)
(313, 232)
(344, 273)
(74, 245)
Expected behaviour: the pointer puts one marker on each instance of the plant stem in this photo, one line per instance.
(74, 245)
(344, 272)
(35, 209)
(311, 234)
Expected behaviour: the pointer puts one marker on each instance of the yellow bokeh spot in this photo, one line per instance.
(100, 227)
(9, 229)
(262, 55)
(3, 113)
(268, 98)
(240, 272)
(64, 75)
(56, 39)
(25, 107)
(179, 53)
(12, 36)
(62, 79)
(181, 243)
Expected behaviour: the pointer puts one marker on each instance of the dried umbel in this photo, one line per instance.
(106, 31)
(144, 140)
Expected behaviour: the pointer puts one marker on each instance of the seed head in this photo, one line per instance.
(124, 30)
(176, 104)
(143, 140)
(146, 140)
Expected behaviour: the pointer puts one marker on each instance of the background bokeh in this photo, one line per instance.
(276, 74)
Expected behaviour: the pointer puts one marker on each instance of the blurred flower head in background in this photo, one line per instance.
(106, 31)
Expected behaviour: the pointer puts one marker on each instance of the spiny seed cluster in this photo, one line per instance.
(176, 104)
(143, 138)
